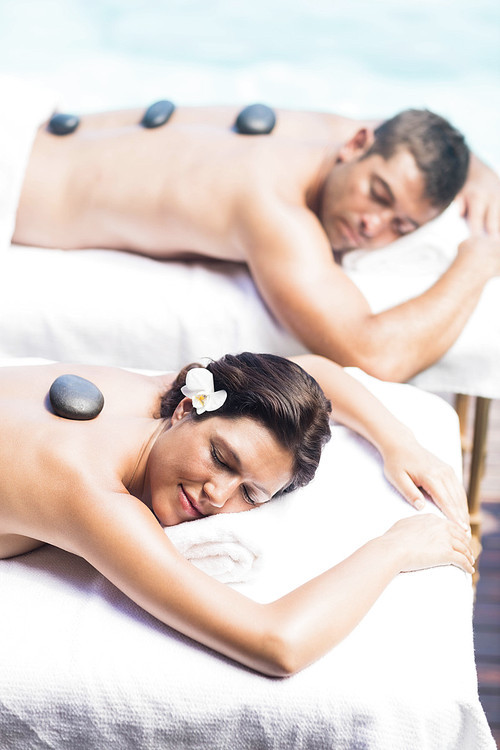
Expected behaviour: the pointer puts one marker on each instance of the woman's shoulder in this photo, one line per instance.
(128, 392)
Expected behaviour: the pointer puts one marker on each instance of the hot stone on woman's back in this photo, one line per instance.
(73, 397)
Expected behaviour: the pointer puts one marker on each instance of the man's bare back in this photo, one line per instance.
(279, 203)
(177, 190)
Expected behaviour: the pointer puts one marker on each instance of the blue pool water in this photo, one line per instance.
(358, 57)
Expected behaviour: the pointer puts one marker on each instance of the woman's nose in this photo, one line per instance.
(220, 491)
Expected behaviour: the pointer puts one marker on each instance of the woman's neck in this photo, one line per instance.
(135, 483)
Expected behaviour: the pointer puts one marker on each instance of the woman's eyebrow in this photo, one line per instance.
(228, 449)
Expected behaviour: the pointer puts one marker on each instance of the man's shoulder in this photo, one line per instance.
(286, 225)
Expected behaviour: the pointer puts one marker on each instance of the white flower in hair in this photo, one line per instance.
(200, 389)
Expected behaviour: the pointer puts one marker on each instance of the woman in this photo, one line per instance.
(221, 439)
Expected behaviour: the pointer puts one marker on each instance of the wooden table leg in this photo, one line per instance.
(477, 470)
(462, 409)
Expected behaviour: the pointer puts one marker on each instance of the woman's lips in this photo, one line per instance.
(188, 504)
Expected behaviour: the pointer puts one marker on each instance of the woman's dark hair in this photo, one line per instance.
(277, 393)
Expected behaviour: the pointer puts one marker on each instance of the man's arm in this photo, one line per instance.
(295, 272)
(479, 200)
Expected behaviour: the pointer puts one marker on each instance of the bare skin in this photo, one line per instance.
(278, 203)
(99, 489)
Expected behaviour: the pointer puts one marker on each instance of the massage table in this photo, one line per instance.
(83, 667)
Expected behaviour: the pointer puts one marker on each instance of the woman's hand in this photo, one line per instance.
(413, 470)
(427, 541)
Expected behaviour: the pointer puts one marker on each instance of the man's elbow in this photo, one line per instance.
(384, 366)
(381, 359)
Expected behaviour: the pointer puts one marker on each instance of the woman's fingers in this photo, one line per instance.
(411, 493)
(449, 495)
(462, 554)
(428, 540)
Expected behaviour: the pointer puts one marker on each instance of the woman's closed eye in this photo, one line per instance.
(217, 458)
(219, 461)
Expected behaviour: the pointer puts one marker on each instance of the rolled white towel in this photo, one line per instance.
(218, 546)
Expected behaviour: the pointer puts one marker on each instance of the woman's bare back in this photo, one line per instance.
(50, 464)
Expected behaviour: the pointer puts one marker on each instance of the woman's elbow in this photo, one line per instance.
(281, 658)
(286, 651)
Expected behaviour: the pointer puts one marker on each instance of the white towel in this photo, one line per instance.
(219, 545)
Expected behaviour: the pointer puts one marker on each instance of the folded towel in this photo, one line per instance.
(218, 546)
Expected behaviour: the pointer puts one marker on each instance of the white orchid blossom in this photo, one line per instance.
(200, 389)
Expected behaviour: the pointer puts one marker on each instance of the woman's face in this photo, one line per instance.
(216, 465)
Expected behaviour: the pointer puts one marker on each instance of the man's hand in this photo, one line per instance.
(486, 251)
(479, 199)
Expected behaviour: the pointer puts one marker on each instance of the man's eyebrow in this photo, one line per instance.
(390, 196)
(385, 187)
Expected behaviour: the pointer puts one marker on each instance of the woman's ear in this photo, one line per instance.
(182, 409)
(357, 145)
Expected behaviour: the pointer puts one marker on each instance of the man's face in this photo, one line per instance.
(370, 202)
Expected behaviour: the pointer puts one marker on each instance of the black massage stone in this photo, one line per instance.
(62, 124)
(158, 114)
(73, 397)
(256, 119)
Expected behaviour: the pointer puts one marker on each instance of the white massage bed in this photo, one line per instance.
(82, 667)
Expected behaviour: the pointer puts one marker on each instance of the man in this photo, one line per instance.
(280, 204)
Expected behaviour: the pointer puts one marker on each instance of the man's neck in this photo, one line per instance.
(315, 189)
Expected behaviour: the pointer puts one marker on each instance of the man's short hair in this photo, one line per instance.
(438, 148)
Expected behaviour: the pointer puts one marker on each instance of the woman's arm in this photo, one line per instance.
(120, 537)
(407, 465)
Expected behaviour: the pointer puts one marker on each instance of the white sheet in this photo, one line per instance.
(118, 309)
(81, 666)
